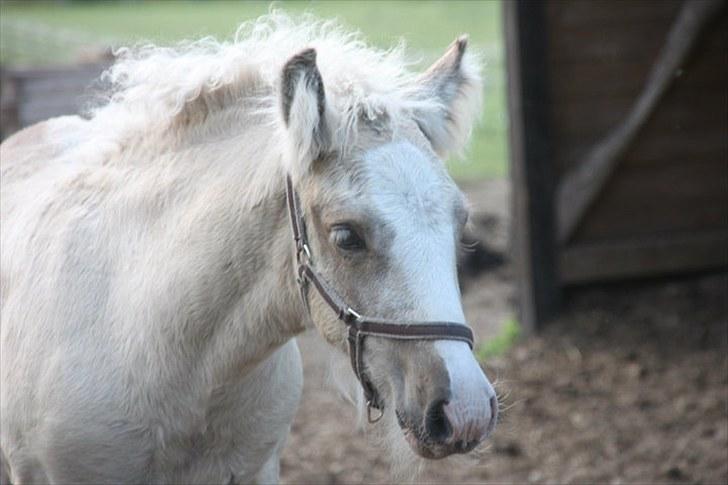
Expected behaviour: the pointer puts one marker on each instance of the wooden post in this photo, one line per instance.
(532, 173)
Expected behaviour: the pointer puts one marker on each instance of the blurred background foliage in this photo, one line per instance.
(42, 33)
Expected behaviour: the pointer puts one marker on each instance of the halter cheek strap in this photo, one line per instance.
(359, 326)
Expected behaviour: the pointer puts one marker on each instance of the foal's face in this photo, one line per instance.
(383, 225)
(384, 230)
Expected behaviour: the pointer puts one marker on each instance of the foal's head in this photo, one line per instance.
(383, 221)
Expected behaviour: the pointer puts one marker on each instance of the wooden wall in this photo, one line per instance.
(665, 208)
(28, 96)
(673, 181)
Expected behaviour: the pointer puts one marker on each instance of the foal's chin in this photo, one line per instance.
(425, 446)
(434, 451)
(430, 452)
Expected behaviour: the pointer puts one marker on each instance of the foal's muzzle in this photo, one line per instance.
(447, 428)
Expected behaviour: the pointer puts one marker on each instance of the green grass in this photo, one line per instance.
(427, 27)
(501, 343)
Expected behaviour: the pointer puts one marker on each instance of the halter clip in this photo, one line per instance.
(369, 413)
(304, 253)
(352, 315)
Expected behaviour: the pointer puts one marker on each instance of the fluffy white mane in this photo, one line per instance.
(152, 87)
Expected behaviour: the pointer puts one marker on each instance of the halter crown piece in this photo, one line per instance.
(360, 326)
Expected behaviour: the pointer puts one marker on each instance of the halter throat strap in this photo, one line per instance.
(359, 326)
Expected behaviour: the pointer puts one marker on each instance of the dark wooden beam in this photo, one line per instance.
(531, 169)
(645, 257)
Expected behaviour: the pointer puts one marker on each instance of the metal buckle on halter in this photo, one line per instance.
(351, 314)
(369, 413)
(303, 256)
(303, 251)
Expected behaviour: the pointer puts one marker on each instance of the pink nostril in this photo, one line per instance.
(469, 427)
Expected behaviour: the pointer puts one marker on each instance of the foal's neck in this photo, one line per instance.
(237, 300)
(244, 264)
(269, 311)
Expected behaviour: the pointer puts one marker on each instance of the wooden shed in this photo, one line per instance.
(619, 142)
(28, 96)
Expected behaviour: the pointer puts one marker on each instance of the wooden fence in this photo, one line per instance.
(28, 96)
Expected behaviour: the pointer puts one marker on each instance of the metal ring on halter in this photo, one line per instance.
(304, 250)
(353, 314)
(369, 413)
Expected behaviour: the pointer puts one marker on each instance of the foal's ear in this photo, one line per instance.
(303, 105)
(454, 84)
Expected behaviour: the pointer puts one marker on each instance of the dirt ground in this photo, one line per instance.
(629, 385)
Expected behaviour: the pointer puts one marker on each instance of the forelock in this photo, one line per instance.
(409, 182)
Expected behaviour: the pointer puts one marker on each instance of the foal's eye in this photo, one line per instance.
(344, 236)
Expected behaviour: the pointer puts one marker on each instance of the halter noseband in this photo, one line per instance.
(360, 326)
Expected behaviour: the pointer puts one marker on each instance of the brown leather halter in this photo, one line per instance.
(360, 326)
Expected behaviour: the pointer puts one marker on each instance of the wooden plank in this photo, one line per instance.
(530, 169)
(53, 85)
(46, 93)
(62, 71)
(624, 79)
(67, 100)
(9, 106)
(621, 77)
(681, 139)
(576, 13)
(674, 253)
(656, 147)
(63, 100)
(33, 113)
(679, 108)
(631, 40)
(644, 201)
